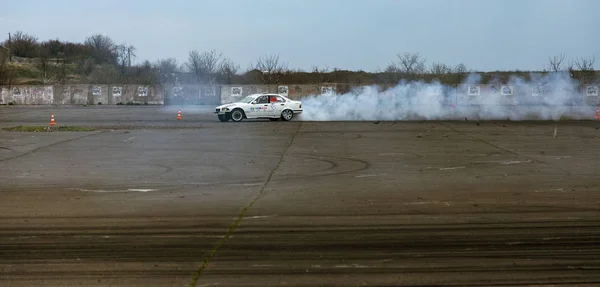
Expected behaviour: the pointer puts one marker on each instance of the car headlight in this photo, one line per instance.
(225, 109)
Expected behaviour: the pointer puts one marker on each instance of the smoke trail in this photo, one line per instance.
(543, 97)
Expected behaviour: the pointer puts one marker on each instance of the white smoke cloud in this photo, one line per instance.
(542, 97)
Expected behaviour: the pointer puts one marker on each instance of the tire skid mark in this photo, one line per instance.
(568, 172)
(305, 175)
(365, 165)
(167, 169)
(344, 135)
(332, 160)
(236, 223)
(332, 165)
(51, 145)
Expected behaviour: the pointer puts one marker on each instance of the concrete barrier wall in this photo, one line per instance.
(192, 94)
(85, 94)
(82, 95)
(33, 95)
(526, 95)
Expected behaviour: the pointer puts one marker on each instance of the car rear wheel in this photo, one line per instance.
(287, 115)
(237, 115)
(224, 118)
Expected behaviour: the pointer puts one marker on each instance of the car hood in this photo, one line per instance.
(226, 105)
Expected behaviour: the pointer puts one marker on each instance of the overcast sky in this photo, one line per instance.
(348, 34)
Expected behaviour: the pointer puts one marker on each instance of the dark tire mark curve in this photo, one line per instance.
(509, 151)
(50, 145)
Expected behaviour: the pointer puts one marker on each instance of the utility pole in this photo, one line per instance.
(9, 49)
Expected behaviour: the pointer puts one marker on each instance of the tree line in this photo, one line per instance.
(99, 59)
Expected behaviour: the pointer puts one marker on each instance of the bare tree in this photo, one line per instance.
(121, 51)
(271, 68)
(193, 63)
(460, 69)
(125, 54)
(440, 69)
(23, 45)
(103, 49)
(166, 71)
(144, 74)
(391, 74)
(204, 65)
(585, 65)
(106, 74)
(556, 63)
(585, 70)
(227, 70)
(62, 73)
(321, 75)
(84, 66)
(48, 75)
(392, 68)
(411, 63)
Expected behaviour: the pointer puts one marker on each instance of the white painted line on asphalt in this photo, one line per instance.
(422, 202)
(503, 162)
(551, 238)
(116, 190)
(515, 162)
(254, 217)
(452, 168)
(141, 190)
(245, 184)
(351, 266)
(428, 202)
(369, 175)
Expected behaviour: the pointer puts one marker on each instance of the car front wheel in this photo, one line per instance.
(237, 115)
(223, 118)
(287, 115)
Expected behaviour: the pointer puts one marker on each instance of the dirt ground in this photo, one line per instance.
(152, 201)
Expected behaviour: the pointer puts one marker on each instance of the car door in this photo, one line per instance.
(259, 107)
(276, 105)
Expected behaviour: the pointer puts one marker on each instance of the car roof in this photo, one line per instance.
(266, 94)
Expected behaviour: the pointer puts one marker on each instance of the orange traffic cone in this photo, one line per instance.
(179, 115)
(52, 123)
(597, 115)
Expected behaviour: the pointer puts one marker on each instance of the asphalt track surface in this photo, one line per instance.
(152, 201)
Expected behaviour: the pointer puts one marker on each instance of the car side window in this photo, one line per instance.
(279, 99)
(262, 100)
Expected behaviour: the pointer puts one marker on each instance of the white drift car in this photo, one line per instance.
(260, 106)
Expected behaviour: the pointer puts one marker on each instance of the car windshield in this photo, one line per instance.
(247, 99)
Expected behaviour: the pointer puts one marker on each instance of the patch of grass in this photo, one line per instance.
(38, 129)
(25, 71)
